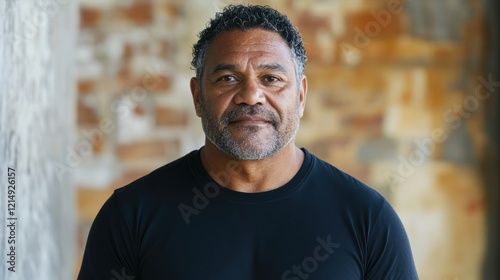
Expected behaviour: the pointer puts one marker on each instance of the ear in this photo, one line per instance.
(194, 84)
(302, 94)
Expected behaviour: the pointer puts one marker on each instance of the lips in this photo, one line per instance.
(249, 120)
(245, 115)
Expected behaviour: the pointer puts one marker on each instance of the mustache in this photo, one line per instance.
(247, 110)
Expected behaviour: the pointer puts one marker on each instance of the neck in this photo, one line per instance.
(252, 175)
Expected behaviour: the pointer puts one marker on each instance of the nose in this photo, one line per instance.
(250, 93)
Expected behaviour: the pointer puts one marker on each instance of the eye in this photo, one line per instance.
(271, 79)
(227, 78)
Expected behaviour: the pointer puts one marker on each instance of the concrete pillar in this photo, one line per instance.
(37, 121)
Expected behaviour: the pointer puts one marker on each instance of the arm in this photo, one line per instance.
(110, 249)
(388, 254)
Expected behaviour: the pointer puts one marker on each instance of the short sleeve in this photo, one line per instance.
(389, 254)
(109, 252)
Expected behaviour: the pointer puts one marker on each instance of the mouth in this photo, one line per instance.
(250, 120)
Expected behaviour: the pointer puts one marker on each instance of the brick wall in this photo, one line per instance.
(392, 100)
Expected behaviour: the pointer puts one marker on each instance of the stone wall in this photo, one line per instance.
(37, 213)
(392, 100)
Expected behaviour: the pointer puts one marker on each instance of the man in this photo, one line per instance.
(250, 204)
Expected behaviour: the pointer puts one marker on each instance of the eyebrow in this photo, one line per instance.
(232, 67)
(223, 67)
(275, 66)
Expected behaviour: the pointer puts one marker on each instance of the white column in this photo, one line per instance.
(37, 123)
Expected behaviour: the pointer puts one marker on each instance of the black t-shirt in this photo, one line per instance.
(176, 223)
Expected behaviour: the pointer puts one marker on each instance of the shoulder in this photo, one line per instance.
(160, 183)
(343, 187)
(388, 252)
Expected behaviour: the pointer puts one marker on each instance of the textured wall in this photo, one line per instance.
(392, 100)
(37, 116)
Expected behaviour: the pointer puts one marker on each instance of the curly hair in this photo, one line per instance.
(244, 17)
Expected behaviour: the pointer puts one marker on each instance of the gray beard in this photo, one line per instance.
(251, 148)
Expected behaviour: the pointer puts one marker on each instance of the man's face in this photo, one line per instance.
(249, 99)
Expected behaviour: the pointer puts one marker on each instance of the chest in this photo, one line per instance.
(253, 244)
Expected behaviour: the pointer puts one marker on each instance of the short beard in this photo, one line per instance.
(218, 133)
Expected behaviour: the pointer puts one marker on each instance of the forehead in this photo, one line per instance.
(238, 46)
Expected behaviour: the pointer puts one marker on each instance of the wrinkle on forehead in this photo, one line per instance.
(236, 46)
(233, 67)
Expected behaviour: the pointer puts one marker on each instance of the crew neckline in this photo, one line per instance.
(285, 190)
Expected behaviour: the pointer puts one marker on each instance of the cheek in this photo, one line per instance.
(292, 111)
(211, 109)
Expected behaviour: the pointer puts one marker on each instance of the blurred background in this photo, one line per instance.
(402, 95)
